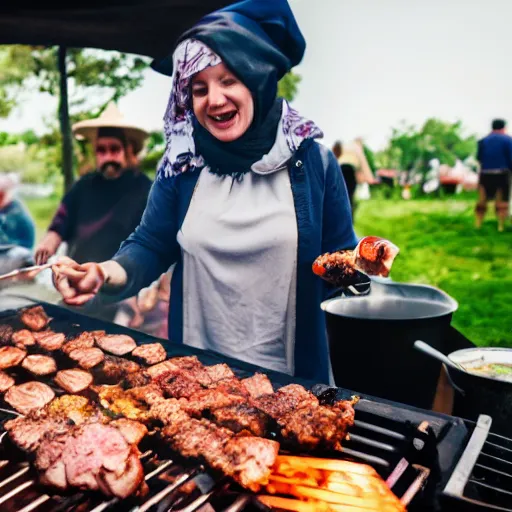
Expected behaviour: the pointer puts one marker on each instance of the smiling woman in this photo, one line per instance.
(245, 200)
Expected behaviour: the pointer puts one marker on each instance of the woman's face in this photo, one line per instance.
(222, 104)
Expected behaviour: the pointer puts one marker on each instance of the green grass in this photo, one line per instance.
(438, 246)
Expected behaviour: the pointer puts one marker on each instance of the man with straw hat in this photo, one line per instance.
(103, 207)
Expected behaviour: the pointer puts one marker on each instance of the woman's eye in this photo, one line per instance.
(228, 82)
(199, 91)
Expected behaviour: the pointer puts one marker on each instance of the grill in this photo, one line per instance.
(431, 461)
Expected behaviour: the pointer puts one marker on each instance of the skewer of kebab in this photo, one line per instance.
(373, 256)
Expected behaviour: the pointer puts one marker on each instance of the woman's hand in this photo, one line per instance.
(77, 283)
(47, 247)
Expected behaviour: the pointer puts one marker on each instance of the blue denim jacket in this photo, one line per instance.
(324, 223)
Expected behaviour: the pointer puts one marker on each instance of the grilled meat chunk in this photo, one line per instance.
(187, 362)
(176, 384)
(119, 401)
(159, 369)
(209, 399)
(117, 344)
(151, 353)
(311, 428)
(23, 338)
(133, 431)
(258, 385)
(6, 332)
(87, 357)
(29, 396)
(338, 268)
(35, 318)
(114, 369)
(248, 460)
(49, 340)
(137, 379)
(11, 356)
(85, 339)
(39, 365)
(149, 394)
(241, 418)
(6, 381)
(93, 456)
(219, 372)
(231, 386)
(74, 380)
(285, 400)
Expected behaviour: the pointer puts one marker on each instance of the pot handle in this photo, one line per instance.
(452, 384)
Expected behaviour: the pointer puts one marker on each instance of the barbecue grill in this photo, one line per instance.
(431, 461)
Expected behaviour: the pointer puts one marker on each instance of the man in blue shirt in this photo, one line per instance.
(495, 158)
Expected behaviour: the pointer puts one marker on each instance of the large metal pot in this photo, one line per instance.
(476, 393)
(371, 340)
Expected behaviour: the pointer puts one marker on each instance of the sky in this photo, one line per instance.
(369, 65)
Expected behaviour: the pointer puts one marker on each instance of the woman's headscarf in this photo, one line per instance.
(259, 41)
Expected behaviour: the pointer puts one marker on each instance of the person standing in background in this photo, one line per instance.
(495, 158)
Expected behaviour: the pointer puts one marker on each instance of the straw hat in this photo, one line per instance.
(111, 118)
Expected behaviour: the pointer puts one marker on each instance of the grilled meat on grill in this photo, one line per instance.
(149, 394)
(117, 344)
(35, 318)
(113, 370)
(87, 358)
(11, 356)
(74, 380)
(76, 408)
(39, 365)
(85, 339)
(151, 353)
(210, 399)
(23, 338)
(49, 340)
(137, 379)
(176, 384)
(119, 401)
(133, 431)
(29, 396)
(159, 369)
(6, 332)
(6, 381)
(219, 372)
(285, 400)
(241, 418)
(258, 385)
(92, 456)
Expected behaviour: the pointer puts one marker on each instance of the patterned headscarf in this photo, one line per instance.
(191, 57)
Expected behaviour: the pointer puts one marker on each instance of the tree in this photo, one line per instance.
(93, 78)
(288, 86)
(412, 149)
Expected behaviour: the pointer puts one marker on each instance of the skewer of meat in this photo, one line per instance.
(85, 339)
(35, 318)
(114, 370)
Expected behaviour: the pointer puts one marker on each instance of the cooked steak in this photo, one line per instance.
(85, 339)
(11, 356)
(26, 432)
(231, 386)
(117, 344)
(74, 380)
(93, 456)
(114, 369)
(151, 353)
(241, 418)
(6, 332)
(39, 365)
(132, 431)
(35, 318)
(149, 394)
(23, 338)
(187, 362)
(29, 396)
(49, 340)
(168, 412)
(258, 385)
(176, 384)
(6, 381)
(87, 357)
(159, 369)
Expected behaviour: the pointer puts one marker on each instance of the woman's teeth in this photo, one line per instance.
(224, 117)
